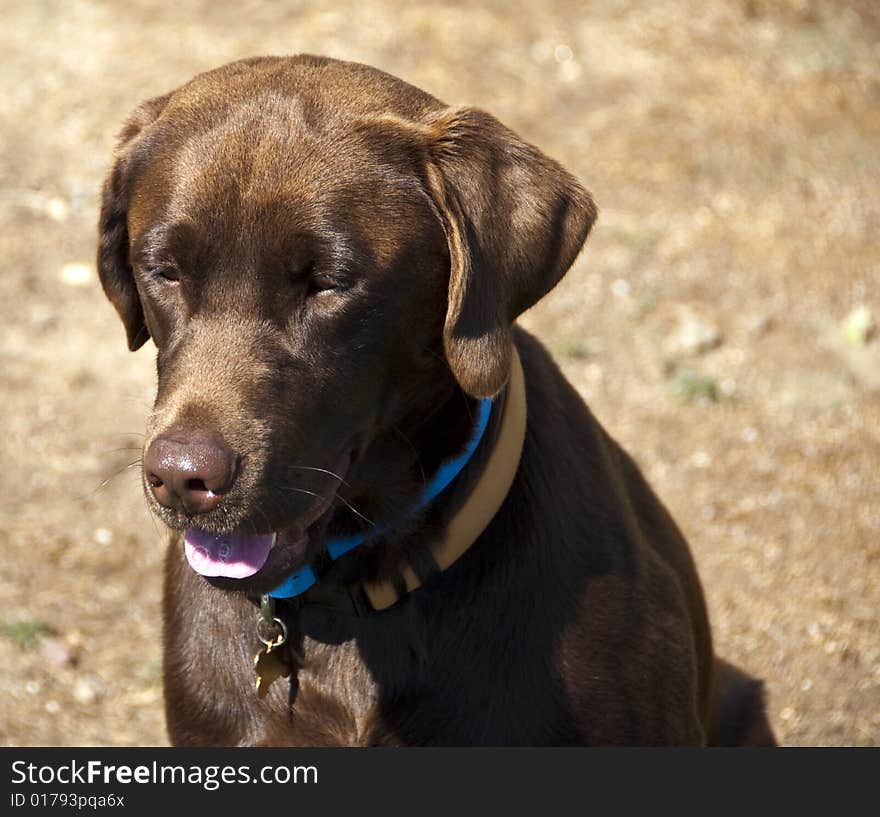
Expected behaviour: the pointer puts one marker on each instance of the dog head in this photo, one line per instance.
(326, 258)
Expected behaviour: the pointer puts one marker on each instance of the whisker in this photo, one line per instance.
(123, 448)
(266, 519)
(323, 471)
(342, 499)
(159, 538)
(415, 451)
(103, 483)
(467, 405)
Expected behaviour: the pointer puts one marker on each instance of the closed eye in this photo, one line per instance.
(323, 283)
(316, 281)
(165, 272)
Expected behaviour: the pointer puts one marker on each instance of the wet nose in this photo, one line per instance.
(190, 472)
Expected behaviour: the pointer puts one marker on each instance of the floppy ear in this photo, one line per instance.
(515, 220)
(114, 267)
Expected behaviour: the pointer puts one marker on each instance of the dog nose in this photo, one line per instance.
(190, 473)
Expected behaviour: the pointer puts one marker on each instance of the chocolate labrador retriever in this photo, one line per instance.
(394, 521)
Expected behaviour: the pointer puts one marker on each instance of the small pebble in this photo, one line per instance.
(620, 288)
(87, 690)
(562, 53)
(77, 274)
(594, 372)
(57, 209)
(74, 638)
(858, 327)
(692, 334)
(772, 552)
(103, 536)
(145, 697)
(760, 325)
(55, 652)
(700, 459)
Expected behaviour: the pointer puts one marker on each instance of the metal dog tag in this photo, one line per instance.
(270, 664)
(273, 661)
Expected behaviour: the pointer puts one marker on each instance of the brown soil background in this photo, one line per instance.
(734, 149)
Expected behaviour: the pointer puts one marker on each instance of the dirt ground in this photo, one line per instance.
(721, 322)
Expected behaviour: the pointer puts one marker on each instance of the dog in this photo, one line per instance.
(394, 522)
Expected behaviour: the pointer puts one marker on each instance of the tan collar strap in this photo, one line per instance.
(481, 505)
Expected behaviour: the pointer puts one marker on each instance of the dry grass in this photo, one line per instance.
(733, 149)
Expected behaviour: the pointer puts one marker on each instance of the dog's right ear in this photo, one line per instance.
(114, 264)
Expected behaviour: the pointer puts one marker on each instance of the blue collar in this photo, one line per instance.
(305, 577)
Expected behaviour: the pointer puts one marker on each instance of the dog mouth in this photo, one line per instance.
(227, 555)
(235, 555)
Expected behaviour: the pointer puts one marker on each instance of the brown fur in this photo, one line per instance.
(330, 263)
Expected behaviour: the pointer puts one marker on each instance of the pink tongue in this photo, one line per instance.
(231, 555)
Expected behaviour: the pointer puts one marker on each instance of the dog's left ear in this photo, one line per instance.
(514, 219)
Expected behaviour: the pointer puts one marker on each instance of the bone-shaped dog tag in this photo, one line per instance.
(270, 664)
